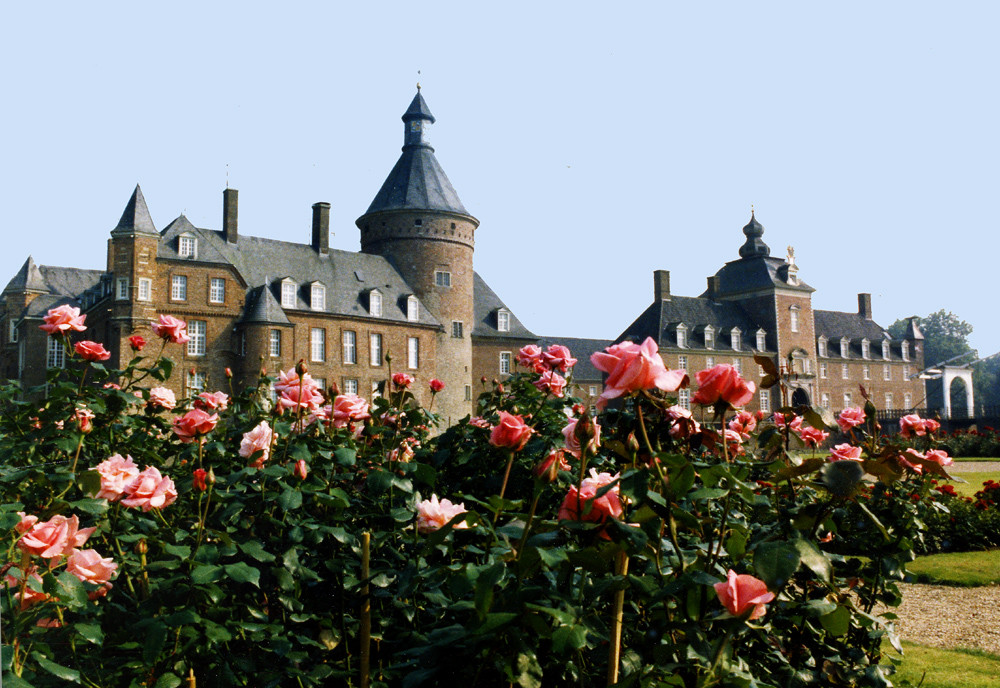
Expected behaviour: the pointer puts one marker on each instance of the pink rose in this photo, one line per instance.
(402, 380)
(573, 443)
(433, 514)
(912, 425)
(558, 356)
(149, 490)
(136, 342)
(305, 397)
(845, 452)
(812, 437)
(162, 397)
(257, 440)
(552, 383)
(511, 432)
(55, 537)
(480, 422)
(913, 453)
(741, 594)
(212, 401)
(349, 408)
(63, 319)
(939, 456)
(291, 380)
(301, 469)
(743, 424)
(683, 424)
(116, 473)
(529, 356)
(723, 383)
(734, 442)
(91, 351)
(584, 505)
(850, 418)
(634, 367)
(27, 522)
(193, 424)
(90, 567)
(550, 466)
(171, 329)
(931, 425)
(436, 386)
(30, 596)
(198, 479)
(84, 417)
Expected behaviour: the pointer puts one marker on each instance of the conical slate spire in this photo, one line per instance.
(418, 110)
(754, 246)
(28, 278)
(135, 219)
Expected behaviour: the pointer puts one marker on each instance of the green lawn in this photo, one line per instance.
(946, 668)
(977, 458)
(966, 569)
(973, 481)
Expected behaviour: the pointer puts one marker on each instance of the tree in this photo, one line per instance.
(945, 336)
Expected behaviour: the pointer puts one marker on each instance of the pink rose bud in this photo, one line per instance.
(210, 479)
(743, 595)
(301, 368)
(229, 372)
(198, 480)
(436, 386)
(334, 390)
(301, 469)
(136, 342)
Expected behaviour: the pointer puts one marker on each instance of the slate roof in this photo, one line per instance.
(661, 319)
(581, 349)
(28, 278)
(755, 268)
(486, 303)
(136, 217)
(835, 325)
(69, 281)
(60, 285)
(263, 309)
(347, 276)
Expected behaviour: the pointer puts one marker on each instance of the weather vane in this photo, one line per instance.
(418, 83)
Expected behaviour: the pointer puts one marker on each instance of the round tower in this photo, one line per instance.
(419, 224)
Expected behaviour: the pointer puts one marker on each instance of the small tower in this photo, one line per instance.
(419, 224)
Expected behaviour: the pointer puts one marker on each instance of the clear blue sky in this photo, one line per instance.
(594, 145)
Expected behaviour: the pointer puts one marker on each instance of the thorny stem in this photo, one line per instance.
(503, 487)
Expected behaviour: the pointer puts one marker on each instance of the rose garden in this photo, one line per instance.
(288, 535)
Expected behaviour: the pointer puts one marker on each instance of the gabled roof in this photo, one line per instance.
(53, 280)
(835, 324)
(136, 218)
(581, 349)
(661, 319)
(263, 309)
(486, 303)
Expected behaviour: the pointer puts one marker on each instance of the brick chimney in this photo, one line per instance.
(230, 211)
(321, 228)
(661, 285)
(713, 286)
(865, 306)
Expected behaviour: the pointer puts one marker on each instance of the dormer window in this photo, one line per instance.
(503, 320)
(734, 336)
(288, 290)
(821, 347)
(793, 318)
(317, 297)
(866, 351)
(412, 308)
(845, 345)
(905, 347)
(709, 338)
(187, 246)
(761, 340)
(885, 349)
(682, 332)
(375, 303)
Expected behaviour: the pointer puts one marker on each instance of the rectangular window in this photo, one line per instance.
(412, 353)
(195, 383)
(442, 278)
(684, 398)
(145, 289)
(888, 400)
(275, 344)
(807, 366)
(468, 392)
(906, 372)
(907, 401)
(217, 290)
(865, 349)
(847, 399)
(317, 297)
(886, 372)
(375, 392)
(317, 344)
(822, 370)
(592, 390)
(738, 364)
(885, 350)
(243, 343)
(905, 350)
(350, 346)
(321, 381)
(844, 373)
(412, 309)
(761, 341)
(375, 349)
(682, 362)
(866, 372)
(56, 355)
(793, 319)
(456, 329)
(825, 400)
(375, 304)
(122, 291)
(710, 361)
(12, 331)
(178, 288)
(682, 338)
(821, 348)
(196, 330)
(505, 363)
(185, 247)
(503, 321)
(709, 339)
(288, 294)
(765, 400)
(736, 341)
(350, 386)
(843, 348)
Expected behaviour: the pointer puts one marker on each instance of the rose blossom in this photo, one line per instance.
(212, 401)
(198, 479)
(480, 422)
(136, 342)
(301, 469)
(90, 567)
(91, 351)
(549, 467)
(511, 432)
(912, 425)
(558, 356)
(171, 329)
(586, 506)
(402, 380)
(291, 380)
(26, 523)
(116, 473)
(150, 490)
(194, 423)
(551, 382)
(348, 408)
(530, 356)
(744, 423)
(63, 319)
(845, 452)
(257, 440)
(162, 397)
(850, 418)
(55, 537)
(634, 367)
(740, 594)
(436, 386)
(812, 437)
(683, 424)
(931, 425)
(305, 397)
(723, 383)
(939, 456)
(573, 442)
(433, 514)
(916, 467)
(734, 442)
(83, 417)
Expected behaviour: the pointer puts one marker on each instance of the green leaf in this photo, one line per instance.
(57, 670)
(206, 574)
(71, 591)
(290, 499)
(775, 562)
(708, 493)
(243, 573)
(736, 544)
(551, 557)
(92, 633)
(179, 551)
(168, 680)
(156, 636)
(379, 481)
(300, 452)
(837, 622)
(216, 633)
(529, 671)
(254, 549)
(12, 681)
(494, 621)
(345, 456)
(811, 556)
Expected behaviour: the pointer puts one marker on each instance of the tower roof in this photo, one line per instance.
(417, 181)
(136, 218)
(28, 278)
(754, 246)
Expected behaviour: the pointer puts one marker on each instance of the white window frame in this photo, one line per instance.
(187, 246)
(907, 400)
(349, 347)
(592, 390)
(906, 373)
(178, 287)
(375, 349)
(350, 385)
(866, 351)
(905, 349)
(845, 347)
(738, 364)
(764, 400)
(845, 373)
(274, 343)
(889, 401)
(145, 292)
(793, 318)
(505, 362)
(823, 370)
(886, 350)
(682, 336)
(761, 340)
(442, 278)
(413, 353)
(735, 338)
(317, 297)
(194, 383)
(197, 337)
(375, 303)
(847, 400)
(684, 398)
(289, 294)
(682, 362)
(55, 355)
(824, 400)
(217, 290)
(709, 337)
(866, 372)
(503, 320)
(821, 347)
(457, 329)
(709, 361)
(121, 289)
(887, 372)
(412, 309)
(12, 331)
(317, 344)
(468, 392)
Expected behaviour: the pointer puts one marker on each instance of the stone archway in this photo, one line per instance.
(800, 397)
(949, 374)
(958, 397)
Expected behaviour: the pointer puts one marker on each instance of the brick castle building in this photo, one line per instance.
(411, 301)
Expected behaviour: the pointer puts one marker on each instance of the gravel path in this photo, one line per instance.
(949, 617)
(974, 467)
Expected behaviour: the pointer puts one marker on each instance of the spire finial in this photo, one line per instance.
(751, 210)
(418, 83)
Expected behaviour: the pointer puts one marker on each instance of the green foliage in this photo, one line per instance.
(945, 336)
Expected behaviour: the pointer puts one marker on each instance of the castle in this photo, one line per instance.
(410, 301)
